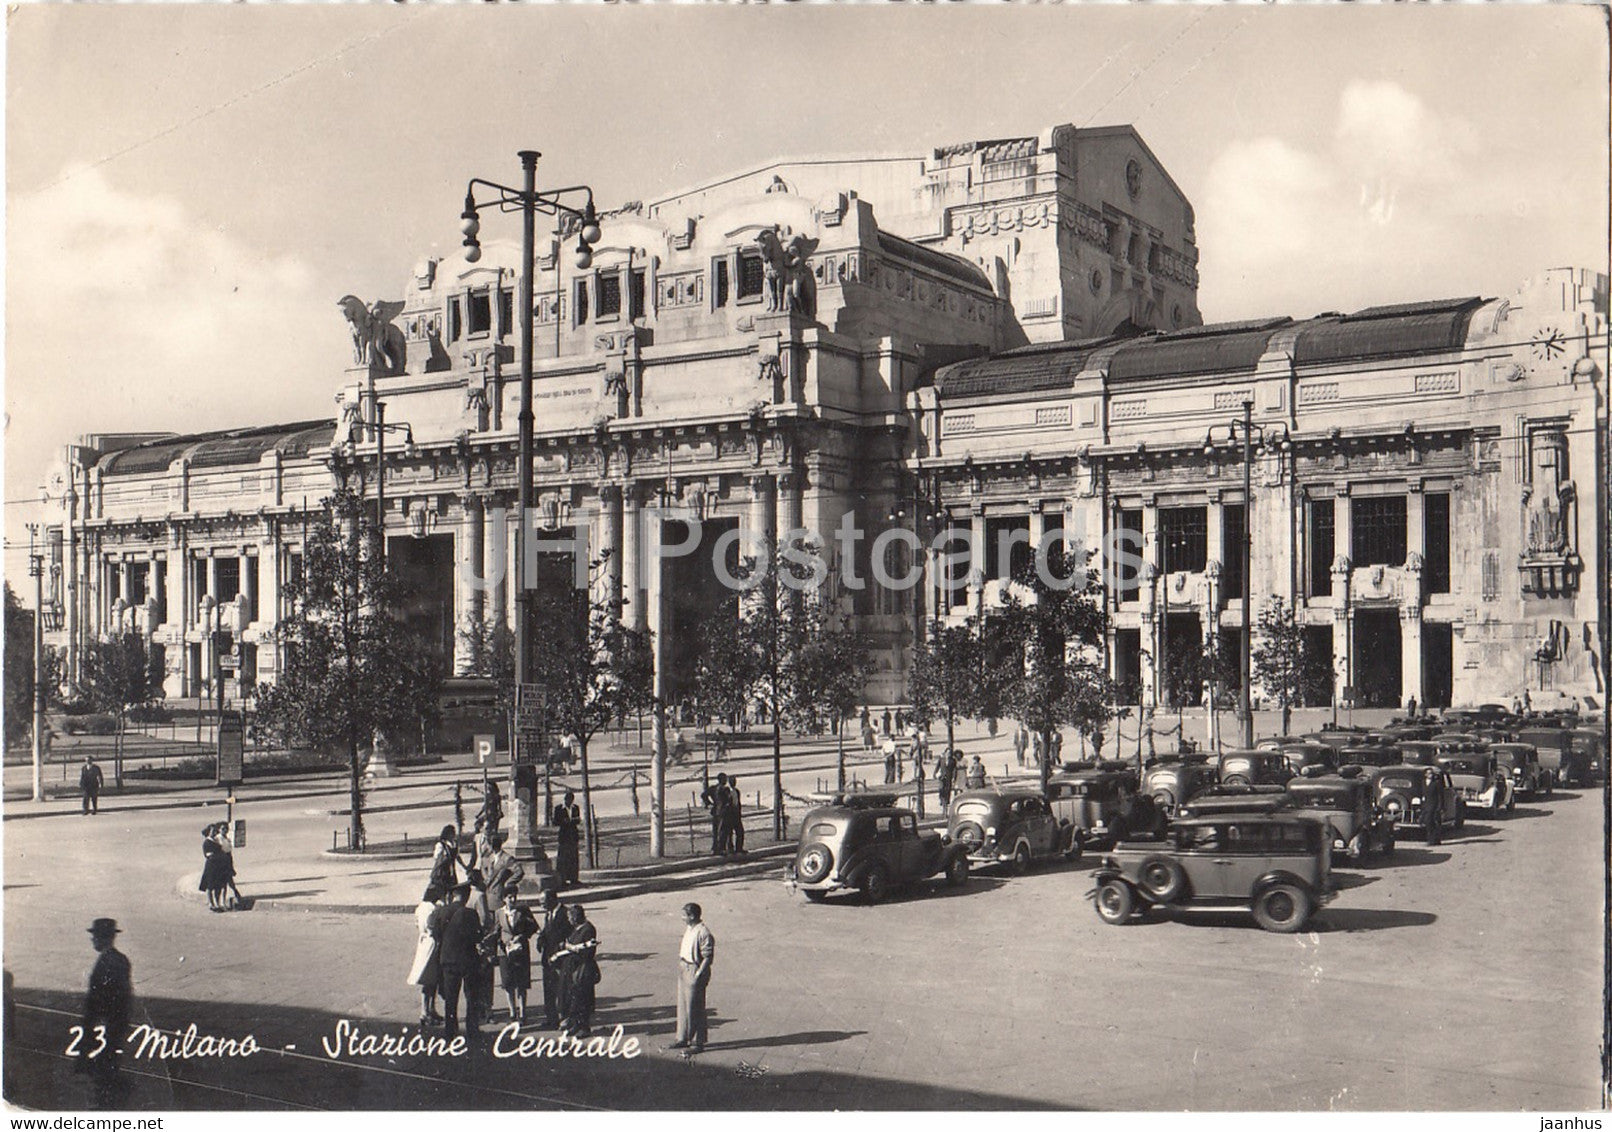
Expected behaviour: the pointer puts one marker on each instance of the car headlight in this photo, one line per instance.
(1416, 801)
(991, 832)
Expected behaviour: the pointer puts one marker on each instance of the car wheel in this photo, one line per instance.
(1021, 859)
(815, 862)
(1237, 780)
(814, 895)
(1281, 908)
(1115, 902)
(1163, 879)
(876, 884)
(957, 871)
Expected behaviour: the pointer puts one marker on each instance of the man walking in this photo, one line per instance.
(90, 781)
(735, 816)
(458, 931)
(106, 1015)
(713, 800)
(693, 976)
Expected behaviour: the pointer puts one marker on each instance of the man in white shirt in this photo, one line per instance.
(693, 976)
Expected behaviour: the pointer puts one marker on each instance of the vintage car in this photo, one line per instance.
(1101, 807)
(1254, 768)
(1171, 779)
(865, 843)
(1418, 752)
(1340, 737)
(1521, 760)
(1347, 804)
(1013, 826)
(1277, 866)
(1234, 799)
(1569, 758)
(1419, 797)
(1307, 753)
(1477, 777)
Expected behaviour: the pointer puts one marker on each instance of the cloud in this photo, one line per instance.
(1394, 202)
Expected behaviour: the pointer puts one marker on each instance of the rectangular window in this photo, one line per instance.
(1007, 547)
(752, 276)
(1436, 542)
(580, 306)
(229, 580)
(479, 313)
(456, 321)
(1183, 538)
(607, 303)
(1377, 530)
(506, 312)
(1323, 546)
(1125, 552)
(635, 294)
(1231, 550)
(719, 283)
(137, 582)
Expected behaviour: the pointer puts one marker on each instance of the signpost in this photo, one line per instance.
(528, 747)
(231, 749)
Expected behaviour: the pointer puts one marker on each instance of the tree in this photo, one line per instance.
(19, 661)
(591, 667)
(119, 673)
(1280, 658)
(945, 681)
(352, 667)
(489, 648)
(1054, 675)
(827, 672)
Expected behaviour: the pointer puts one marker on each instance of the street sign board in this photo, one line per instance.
(484, 748)
(240, 833)
(231, 748)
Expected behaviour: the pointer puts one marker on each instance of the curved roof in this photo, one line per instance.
(943, 262)
(1227, 347)
(1406, 328)
(222, 449)
(1037, 368)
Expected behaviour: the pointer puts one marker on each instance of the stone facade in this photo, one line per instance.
(1001, 331)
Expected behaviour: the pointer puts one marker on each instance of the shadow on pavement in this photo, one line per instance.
(1404, 857)
(1369, 919)
(40, 1075)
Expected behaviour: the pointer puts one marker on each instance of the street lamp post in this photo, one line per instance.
(1278, 435)
(528, 201)
(36, 570)
(381, 429)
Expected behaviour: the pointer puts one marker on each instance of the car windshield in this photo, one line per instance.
(1465, 766)
(1324, 797)
(1399, 782)
(974, 808)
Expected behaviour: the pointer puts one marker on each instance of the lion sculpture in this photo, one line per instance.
(375, 339)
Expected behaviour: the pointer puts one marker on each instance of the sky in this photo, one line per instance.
(191, 188)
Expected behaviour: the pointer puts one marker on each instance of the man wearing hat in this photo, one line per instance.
(106, 1014)
(90, 781)
(458, 931)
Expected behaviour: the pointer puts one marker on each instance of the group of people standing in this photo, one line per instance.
(1033, 747)
(470, 927)
(218, 868)
(726, 807)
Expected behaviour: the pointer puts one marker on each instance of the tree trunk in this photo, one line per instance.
(951, 731)
(1046, 758)
(1287, 716)
(777, 778)
(841, 753)
(355, 825)
(657, 781)
(587, 802)
(117, 753)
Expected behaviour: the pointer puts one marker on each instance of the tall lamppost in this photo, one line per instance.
(36, 571)
(381, 429)
(1278, 436)
(528, 201)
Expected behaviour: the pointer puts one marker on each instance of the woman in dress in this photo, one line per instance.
(515, 927)
(445, 860)
(226, 868)
(426, 970)
(213, 873)
(580, 971)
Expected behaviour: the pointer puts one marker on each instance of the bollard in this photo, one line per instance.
(332, 841)
(405, 841)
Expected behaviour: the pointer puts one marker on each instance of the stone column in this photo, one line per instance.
(1215, 539)
(271, 579)
(469, 608)
(72, 588)
(1415, 527)
(790, 485)
(1342, 538)
(1211, 619)
(1342, 627)
(632, 522)
(126, 580)
(762, 525)
(1152, 621)
(976, 560)
(610, 542)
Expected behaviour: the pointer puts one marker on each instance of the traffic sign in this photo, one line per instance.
(484, 748)
(231, 749)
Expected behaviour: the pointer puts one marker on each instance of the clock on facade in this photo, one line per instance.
(1550, 344)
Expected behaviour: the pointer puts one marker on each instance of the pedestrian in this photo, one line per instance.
(107, 1005)
(975, 779)
(214, 866)
(1038, 750)
(901, 720)
(458, 932)
(426, 970)
(445, 860)
(1021, 740)
(515, 927)
(889, 758)
(1057, 748)
(1410, 708)
(944, 773)
(886, 729)
(554, 926)
(918, 779)
(712, 799)
(500, 869)
(491, 813)
(568, 825)
(90, 781)
(735, 816)
(867, 733)
(226, 868)
(694, 957)
(579, 970)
